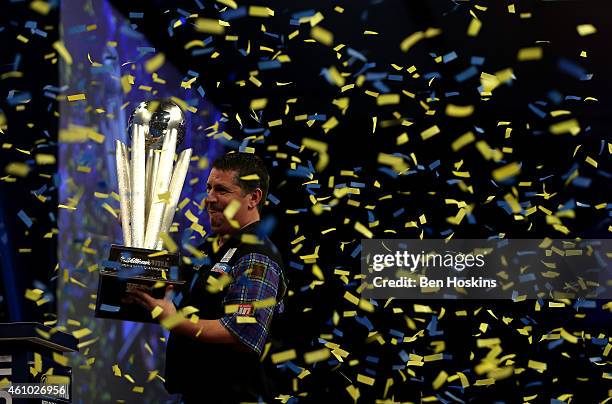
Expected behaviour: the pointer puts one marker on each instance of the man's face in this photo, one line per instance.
(222, 189)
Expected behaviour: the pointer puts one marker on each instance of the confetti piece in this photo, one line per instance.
(534, 53)
(61, 49)
(230, 3)
(155, 63)
(283, 356)
(76, 97)
(317, 356)
(506, 172)
(363, 230)
(250, 177)
(41, 7)
(388, 99)
(209, 26)
(259, 11)
(259, 103)
(54, 379)
(429, 133)
(568, 337)
(83, 332)
(572, 126)
(60, 359)
(586, 29)
(412, 39)
(17, 169)
(152, 375)
(33, 294)
(156, 312)
(474, 27)
(172, 321)
(440, 380)
(354, 392)
(458, 111)
(463, 141)
(365, 379)
(168, 242)
(44, 159)
(539, 366)
(230, 211)
(322, 35)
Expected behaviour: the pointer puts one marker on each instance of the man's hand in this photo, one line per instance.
(149, 303)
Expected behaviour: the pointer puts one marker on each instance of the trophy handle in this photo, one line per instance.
(176, 185)
(123, 179)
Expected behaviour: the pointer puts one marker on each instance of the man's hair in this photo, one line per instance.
(246, 164)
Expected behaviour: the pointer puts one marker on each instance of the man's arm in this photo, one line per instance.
(211, 331)
(256, 279)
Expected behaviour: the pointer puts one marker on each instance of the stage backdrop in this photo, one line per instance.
(106, 70)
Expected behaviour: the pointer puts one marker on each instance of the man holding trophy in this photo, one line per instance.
(214, 356)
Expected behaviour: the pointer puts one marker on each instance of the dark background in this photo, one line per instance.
(547, 160)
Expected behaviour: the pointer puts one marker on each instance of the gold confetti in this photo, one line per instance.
(61, 49)
(83, 332)
(322, 35)
(440, 380)
(388, 99)
(259, 11)
(156, 311)
(363, 230)
(60, 359)
(534, 53)
(76, 97)
(462, 141)
(457, 111)
(474, 27)
(572, 126)
(209, 26)
(155, 63)
(17, 169)
(229, 3)
(365, 379)
(250, 177)
(428, 133)
(507, 171)
(41, 7)
(586, 29)
(259, 103)
(539, 366)
(168, 242)
(316, 356)
(172, 321)
(283, 356)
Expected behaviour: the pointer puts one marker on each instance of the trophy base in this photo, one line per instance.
(130, 268)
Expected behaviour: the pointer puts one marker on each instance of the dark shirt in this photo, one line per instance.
(245, 305)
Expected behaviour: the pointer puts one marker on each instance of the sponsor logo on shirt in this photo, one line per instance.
(245, 309)
(228, 255)
(221, 268)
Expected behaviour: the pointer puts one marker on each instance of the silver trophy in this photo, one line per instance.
(150, 185)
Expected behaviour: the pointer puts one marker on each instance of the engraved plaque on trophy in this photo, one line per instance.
(149, 185)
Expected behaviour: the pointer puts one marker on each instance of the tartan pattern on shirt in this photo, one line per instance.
(255, 277)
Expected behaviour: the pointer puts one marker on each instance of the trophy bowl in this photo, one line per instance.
(159, 116)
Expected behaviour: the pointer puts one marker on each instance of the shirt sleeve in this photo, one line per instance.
(256, 277)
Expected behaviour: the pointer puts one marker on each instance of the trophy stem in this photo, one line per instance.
(162, 181)
(138, 186)
(148, 187)
(123, 178)
(176, 185)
